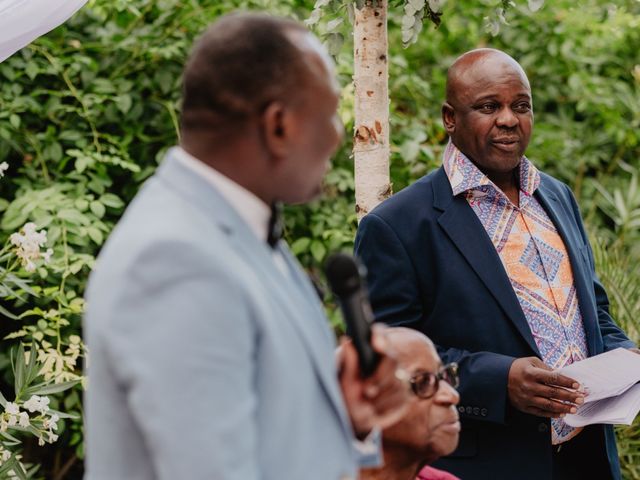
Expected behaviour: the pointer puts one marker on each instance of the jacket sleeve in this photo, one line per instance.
(398, 299)
(196, 402)
(612, 335)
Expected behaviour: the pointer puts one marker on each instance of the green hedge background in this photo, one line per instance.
(87, 112)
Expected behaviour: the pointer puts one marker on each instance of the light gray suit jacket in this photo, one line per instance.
(205, 360)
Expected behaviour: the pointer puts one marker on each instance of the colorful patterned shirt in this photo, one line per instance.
(535, 260)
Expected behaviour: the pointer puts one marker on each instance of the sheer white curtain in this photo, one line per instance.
(22, 21)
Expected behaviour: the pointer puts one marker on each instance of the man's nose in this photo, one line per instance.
(447, 395)
(506, 118)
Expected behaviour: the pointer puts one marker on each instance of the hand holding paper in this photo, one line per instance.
(610, 380)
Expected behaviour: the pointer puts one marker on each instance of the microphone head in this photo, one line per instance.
(344, 273)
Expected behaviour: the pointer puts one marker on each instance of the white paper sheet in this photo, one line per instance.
(610, 378)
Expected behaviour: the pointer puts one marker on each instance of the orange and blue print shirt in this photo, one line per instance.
(534, 258)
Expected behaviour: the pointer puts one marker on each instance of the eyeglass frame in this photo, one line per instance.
(447, 373)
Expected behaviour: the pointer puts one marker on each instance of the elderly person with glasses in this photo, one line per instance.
(430, 427)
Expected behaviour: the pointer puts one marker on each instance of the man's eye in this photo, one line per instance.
(522, 108)
(487, 107)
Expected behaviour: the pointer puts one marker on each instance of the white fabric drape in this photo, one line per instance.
(22, 21)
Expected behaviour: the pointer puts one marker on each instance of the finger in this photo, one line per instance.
(557, 379)
(552, 406)
(348, 366)
(379, 340)
(563, 395)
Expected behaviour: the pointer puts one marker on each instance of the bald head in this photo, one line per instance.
(489, 114)
(430, 427)
(410, 344)
(475, 65)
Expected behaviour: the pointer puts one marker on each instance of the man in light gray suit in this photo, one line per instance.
(211, 357)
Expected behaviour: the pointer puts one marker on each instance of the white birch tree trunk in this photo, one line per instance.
(371, 80)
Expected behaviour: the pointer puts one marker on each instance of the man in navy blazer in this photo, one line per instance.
(490, 259)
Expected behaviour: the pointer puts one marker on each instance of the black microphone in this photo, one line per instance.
(346, 276)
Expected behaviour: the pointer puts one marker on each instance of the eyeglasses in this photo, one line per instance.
(425, 384)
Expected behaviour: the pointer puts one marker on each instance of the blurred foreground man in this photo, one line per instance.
(211, 357)
(489, 258)
(430, 427)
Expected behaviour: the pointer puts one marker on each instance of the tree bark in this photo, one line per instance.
(371, 80)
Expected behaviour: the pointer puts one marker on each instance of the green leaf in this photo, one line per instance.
(14, 120)
(73, 216)
(49, 389)
(111, 200)
(31, 371)
(31, 70)
(7, 313)
(11, 464)
(97, 208)
(318, 250)
(19, 369)
(300, 245)
(334, 24)
(95, 235)
(124, 103)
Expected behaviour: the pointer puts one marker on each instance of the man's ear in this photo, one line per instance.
(276, 129)
(448, 118)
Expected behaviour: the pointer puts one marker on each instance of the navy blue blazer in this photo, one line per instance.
(432, 267)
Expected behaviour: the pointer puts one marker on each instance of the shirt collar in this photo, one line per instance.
(464, 176)
(251, 209)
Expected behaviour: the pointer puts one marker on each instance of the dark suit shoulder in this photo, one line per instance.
(553, 184)
(403, 205)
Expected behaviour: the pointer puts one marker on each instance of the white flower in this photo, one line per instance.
(6, 455)
(4, 166)
(37, 404)
(51, 423)
(24, 419)
(41, 441)
(52, 437)
(47, 255)
(3, 425)
(28, 242)
(32, 404)
(12, 408)
(13, 420)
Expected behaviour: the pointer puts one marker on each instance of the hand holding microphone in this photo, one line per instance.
(375, 390)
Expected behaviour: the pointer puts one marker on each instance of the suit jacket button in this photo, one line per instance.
(476, 411)
(469, 410)
(484, 412)
(461, 409)
(543, 427)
